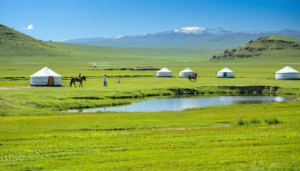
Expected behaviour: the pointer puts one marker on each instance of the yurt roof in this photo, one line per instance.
(187, 70)
(287, 70)
(225, 70)
(164, 70)
(45, 72)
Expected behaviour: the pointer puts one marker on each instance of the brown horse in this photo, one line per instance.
(192, 77)
(73, 80)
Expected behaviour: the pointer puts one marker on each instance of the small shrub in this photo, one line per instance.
(1, 144)
(272, 121)
(255, 120)
(240, 122)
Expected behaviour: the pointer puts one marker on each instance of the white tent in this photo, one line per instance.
(225, 73)
(186, 72)
(287, 73)
(45, 77)
(164, 73)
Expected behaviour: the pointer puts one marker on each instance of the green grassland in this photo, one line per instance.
(36, 135)
(197, 139)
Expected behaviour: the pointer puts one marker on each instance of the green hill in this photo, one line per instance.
(268, 48)
(14, 43)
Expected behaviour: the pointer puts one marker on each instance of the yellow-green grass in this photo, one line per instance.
(275, 37)
(205, 139)
(204, 70)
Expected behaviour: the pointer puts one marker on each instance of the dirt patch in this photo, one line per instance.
(7, 88)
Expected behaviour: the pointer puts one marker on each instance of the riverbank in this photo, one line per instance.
(47, 101)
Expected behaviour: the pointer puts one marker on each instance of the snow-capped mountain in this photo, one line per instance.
(203, 30)
(183, 36)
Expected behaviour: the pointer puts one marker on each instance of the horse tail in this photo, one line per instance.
(71, 82)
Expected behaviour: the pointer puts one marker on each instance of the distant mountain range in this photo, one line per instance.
(188, 36)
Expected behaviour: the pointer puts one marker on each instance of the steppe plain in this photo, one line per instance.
(36, 135)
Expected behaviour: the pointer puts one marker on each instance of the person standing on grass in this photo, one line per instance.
(104, 80)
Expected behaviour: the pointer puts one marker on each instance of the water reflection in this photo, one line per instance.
(177, 104)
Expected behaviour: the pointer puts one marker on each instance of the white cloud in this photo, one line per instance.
(64, 40)
(30, 27)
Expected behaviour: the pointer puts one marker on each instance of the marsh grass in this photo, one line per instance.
(272, 121)
(246, 122)
(255, 121)
(240, 122)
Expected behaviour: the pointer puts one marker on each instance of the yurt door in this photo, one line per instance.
(225, 75)
(50, 81)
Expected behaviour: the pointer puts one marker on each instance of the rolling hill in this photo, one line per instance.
(270, 48)
(20, 49)
(14, 43)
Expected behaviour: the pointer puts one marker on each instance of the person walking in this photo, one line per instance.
(104, 80)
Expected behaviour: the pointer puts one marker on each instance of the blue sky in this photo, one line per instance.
(71, 19)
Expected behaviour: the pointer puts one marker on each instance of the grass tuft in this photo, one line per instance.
(240, 122)
(272, 121)
(255, 120)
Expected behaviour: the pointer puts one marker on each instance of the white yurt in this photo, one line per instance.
(287, 73)
(164, 73)
(45, 77)
(186, 72)
(225, 73)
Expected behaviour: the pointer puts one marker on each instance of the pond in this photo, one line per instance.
(182, 102)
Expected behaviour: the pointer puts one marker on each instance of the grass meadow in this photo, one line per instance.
(195, 139)
(36, 135)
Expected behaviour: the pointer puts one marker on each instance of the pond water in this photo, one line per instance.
(181, 103)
